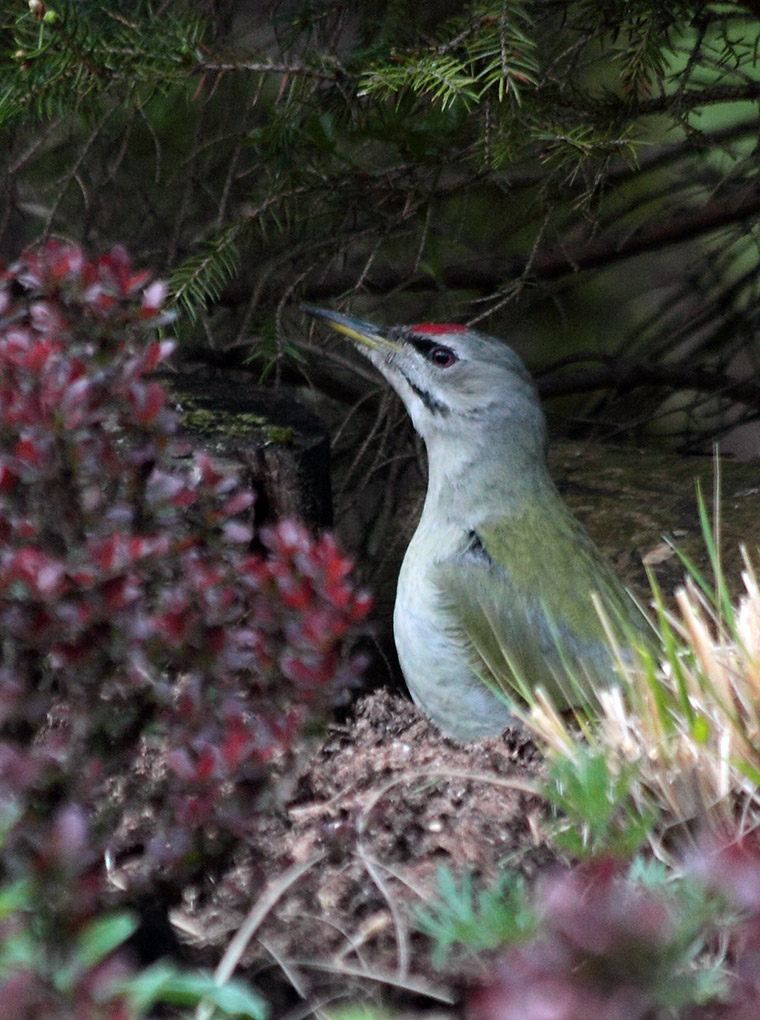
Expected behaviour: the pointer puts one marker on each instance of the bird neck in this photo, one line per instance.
(483, 473)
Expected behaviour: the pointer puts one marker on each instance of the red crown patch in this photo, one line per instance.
(439, 327)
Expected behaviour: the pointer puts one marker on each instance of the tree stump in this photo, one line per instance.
(282, 447)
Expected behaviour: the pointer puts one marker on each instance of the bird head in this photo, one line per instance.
(453, 380)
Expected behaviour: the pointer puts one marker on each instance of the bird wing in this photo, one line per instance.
(518, 596)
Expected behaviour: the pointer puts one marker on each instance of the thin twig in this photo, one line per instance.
(247, 929)
(269, 67)
(419, 986)
(399, 924)
(520, 785)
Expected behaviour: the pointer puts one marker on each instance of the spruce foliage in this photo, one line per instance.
(588, 168)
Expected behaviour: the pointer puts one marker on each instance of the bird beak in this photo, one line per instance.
(364, 333)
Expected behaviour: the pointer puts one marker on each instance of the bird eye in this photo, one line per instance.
(443, 357)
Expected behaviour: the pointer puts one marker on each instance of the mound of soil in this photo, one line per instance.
(335, 874)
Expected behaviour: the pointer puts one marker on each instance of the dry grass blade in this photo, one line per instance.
(418, 986)
(245, 933)
(685, 728)
(399, 922)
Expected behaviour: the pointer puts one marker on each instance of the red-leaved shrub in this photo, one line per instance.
(608, 948)
(134, 619)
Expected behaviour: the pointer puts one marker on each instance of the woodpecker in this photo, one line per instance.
(494, 594)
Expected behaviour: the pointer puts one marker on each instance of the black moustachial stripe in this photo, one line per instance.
(433, 405)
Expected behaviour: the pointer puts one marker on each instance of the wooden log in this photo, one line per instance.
(282, 447)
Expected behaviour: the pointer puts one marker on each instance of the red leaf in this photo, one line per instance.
(147, 400)
(157, 352)
(153, 297)
(206, 764)
(236, 531)
(8, 477)
(238, 742)
(238, 503)
(28, 453)
(103, 551)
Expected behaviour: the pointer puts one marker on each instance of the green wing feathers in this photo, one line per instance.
(519, 597)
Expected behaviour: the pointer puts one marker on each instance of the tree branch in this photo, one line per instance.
(552, 264)
(270, 67)
(622, 375)
(689, 99)
(652, 235)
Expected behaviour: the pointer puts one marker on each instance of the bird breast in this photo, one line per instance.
(435, 666)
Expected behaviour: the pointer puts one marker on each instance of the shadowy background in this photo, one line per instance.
(578, 178)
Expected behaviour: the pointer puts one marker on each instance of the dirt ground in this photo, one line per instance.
(320, 911)
(335, 874)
